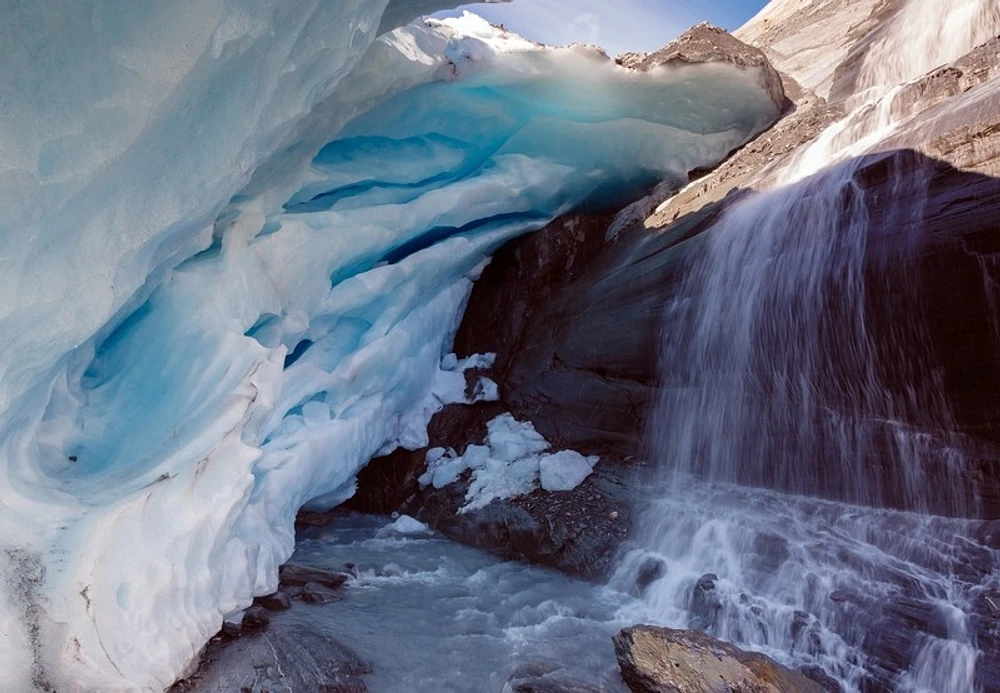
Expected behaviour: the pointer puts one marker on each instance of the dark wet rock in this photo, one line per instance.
(546, 676)
(316, 593)
(800, 621)
(770, 551)
(279, 601)
(664, 660)
(285, 658)
(292, 574)
(255, 619)
(825, 681)
(387, 483)
(521, 278)
(651, 570)
(585, 368)
(576, 531)
(310, 518)
(705, 602)
(231, 629)
(840, 596)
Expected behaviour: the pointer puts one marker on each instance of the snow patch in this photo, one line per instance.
(511, 462)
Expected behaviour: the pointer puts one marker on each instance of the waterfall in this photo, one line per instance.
(796, 355)
(816, 497)
(923, 35)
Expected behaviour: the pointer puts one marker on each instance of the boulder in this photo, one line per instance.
(255, 619)
(279, 601)
(292, 574)
(315, 593)
(664, 660)
(289, 657)
(705, 602)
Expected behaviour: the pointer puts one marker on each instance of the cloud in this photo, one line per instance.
(587, 26)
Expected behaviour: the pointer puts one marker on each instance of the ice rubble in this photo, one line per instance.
(236, 239)
(511, 462)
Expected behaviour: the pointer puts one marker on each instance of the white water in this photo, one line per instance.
(814, 582)
(433, 616)
(794, 385)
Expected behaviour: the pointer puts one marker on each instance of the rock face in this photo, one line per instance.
(585, 371)
(811, 39)
(663, 660)
(706, 43)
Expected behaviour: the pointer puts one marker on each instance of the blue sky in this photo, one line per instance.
(618, 25)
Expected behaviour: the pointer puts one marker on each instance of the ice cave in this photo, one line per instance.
(357, 345)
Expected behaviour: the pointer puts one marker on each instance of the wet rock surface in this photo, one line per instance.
(575, 531)
(279, 601)
(292, 575)
(585, 370)
(544, 676)
(284, 658)
(664, 660)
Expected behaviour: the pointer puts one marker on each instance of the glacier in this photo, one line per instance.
(236, 239)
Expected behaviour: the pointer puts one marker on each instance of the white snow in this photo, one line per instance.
(511, 462)
(236, 239)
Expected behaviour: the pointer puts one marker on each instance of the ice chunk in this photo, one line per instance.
(405, 524)
(511, 462)
(565, 470)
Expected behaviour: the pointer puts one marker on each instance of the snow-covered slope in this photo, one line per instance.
(235, 239)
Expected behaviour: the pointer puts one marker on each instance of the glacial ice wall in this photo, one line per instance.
(235, 241)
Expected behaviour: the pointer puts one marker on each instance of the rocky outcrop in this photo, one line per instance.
(663, 660)
(810, 40)
(575, 531)
(706, 43)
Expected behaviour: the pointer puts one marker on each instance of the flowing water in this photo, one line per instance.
(433, 616)
(879, 599)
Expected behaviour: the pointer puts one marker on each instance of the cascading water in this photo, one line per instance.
(797, 357)
(787, 366)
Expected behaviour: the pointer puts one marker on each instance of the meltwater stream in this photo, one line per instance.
(432, 616)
